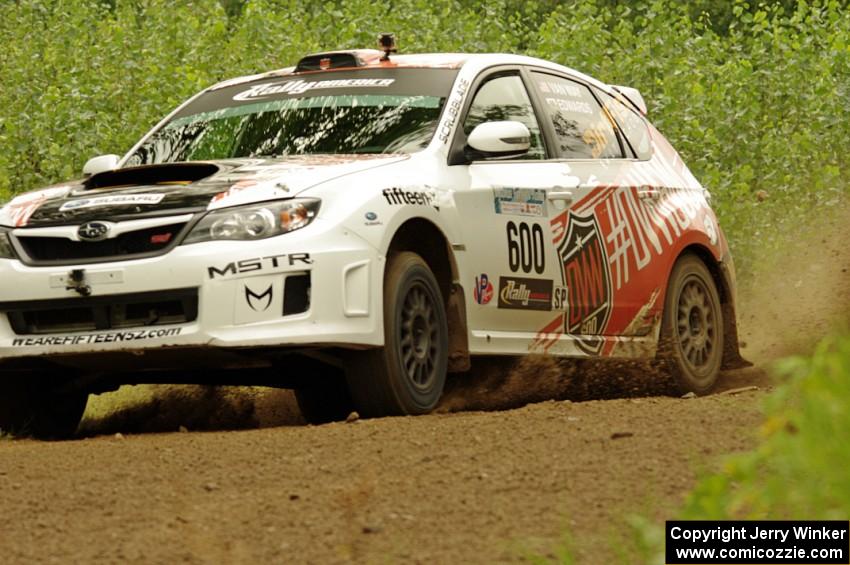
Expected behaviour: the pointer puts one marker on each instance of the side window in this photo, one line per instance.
(503, 97)
(632, 125)
(583, 130)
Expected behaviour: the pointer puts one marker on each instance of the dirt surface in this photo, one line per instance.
(499, 474)
(451, 488)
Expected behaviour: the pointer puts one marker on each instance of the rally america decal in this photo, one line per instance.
(525, 294)
(262, 91)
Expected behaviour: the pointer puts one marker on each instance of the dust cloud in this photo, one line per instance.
(169, 408)
(790, 301)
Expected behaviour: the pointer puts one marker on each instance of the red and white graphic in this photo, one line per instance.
(18, 212)
(617, 245)
(483, 291)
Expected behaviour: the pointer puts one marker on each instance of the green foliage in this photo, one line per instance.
(798, 470)
(752, 96)
(804, 444)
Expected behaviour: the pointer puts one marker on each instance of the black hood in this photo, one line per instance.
(176, 188)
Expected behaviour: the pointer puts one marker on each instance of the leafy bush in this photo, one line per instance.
(754, 99)
(799, 469)
(803, 438)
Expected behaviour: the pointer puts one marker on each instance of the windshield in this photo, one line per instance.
(344, 112)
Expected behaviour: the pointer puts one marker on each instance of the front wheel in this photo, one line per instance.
(692, 327)
(34, 409)
(407, 375)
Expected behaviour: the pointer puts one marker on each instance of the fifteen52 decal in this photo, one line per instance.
(87, 339)
(398, 197)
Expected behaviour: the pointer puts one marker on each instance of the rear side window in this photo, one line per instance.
(583, 130)
(632, 125)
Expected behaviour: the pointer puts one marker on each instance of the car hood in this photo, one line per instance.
(175, 188)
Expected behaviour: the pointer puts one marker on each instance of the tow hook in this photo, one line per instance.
(77, 282)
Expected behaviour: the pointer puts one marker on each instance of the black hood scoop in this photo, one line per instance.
(172, 173)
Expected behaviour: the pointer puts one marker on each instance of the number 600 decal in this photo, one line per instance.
(525, 248)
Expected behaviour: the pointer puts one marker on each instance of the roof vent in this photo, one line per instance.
(326, 61)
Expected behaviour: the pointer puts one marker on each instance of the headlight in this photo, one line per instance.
(6, 250)
(257, 221)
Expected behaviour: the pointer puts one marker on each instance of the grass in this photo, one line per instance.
(797, 471)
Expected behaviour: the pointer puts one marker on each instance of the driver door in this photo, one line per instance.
(504, 209)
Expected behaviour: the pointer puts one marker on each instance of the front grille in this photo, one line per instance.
(103, 312)
(59, 250)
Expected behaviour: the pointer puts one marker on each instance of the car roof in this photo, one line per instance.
(373, 59)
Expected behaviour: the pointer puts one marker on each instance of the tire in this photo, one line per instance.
(407, 375)
(330, 402)
(33, 409)
(692, 327)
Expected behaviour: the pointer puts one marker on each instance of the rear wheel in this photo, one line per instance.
(33, 408)
(692, 327)
(407, 375)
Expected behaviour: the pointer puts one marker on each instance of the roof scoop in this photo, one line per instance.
(349, 59)
(171, 173)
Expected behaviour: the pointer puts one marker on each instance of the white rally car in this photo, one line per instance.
(356, 227)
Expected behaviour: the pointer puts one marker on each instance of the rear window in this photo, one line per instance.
(583, 130)
(339, 112)
(632, 125)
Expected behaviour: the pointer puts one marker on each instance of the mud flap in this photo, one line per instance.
(732, 358)
(731, 353)
(459, 361)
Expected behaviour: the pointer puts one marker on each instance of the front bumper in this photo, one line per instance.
(240, 296)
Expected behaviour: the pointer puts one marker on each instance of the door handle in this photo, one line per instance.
(648, 193)
(559, 193)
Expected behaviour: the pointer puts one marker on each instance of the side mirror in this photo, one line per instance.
(100, 164)
(500, 139)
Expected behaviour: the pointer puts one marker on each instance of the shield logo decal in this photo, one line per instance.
(588, 282)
